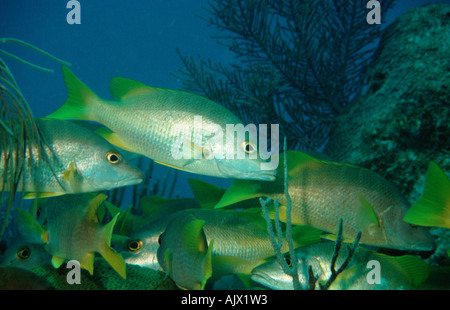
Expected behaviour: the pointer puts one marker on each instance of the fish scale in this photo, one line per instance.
(324, 192)
(154, 138)
(402, 272)
(70, 143)
(330, 192)
(145, 120)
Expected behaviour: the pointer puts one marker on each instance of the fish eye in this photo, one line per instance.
(134, 245)
(23, 253)
(248, 147)
(113, 158)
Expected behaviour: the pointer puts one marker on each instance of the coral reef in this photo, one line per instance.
(105, 277)
(401, 123)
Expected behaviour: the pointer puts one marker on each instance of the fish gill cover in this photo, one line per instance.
(316, 68)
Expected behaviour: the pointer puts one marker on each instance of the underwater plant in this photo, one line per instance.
(297, 63)
(18, 130)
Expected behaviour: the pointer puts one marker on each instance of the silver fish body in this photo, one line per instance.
(178, 129)
(78, 161)
(355, 277)
(236, 236)
(324, 192)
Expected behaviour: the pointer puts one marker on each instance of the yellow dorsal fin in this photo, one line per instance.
(207, 195)
(57, 261)
(297, 161)
(123, 88)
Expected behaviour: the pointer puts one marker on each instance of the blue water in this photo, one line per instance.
(135, 39)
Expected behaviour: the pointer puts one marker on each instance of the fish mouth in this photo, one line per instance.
(262, 175)
(264, 279)
(133, 180)
(126, 182)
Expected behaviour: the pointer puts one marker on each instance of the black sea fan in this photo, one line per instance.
(298, 63)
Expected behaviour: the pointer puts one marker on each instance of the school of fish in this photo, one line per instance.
(221, 231)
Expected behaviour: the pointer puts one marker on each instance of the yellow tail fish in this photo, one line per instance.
(80, 161)
(322, 192)
(174, 128)
(70, 229)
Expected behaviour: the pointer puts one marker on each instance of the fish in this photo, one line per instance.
(178, 129)
(241, 241)
(15, 278)
(323, 192)
(79, 161)
(433, 207)
(69, 228)
(402, 272)
(25, 254)
(185, 254)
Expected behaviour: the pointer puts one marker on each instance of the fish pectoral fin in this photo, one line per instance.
(70, 172)
(114, 139)
(193, 237)
(368, 215)
(72, 176)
